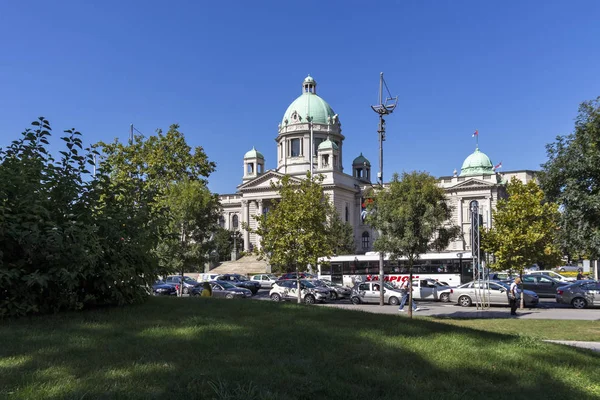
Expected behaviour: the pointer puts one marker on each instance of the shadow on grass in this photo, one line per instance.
(208, 348)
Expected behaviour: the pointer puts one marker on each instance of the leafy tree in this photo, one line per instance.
(294, 232)
(193, 212)
(571, 178)
(222, 242)
(524, 230)
(341, 234)
(165, 179)
(413, 218)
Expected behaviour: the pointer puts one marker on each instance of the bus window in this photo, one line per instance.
(325, 269)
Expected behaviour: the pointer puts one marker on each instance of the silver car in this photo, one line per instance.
(339, 291)
(266, 280)
(368, 292)
(288, 290)
(580, 294)
(495, 293)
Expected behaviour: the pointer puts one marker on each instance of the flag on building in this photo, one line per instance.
(476, 133)
(499, 165)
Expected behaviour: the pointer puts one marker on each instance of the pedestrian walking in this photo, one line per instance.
(405, 292)
(514, 296)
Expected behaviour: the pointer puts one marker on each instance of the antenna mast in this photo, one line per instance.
(385, 108)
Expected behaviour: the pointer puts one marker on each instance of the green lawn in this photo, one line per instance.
(202, 348)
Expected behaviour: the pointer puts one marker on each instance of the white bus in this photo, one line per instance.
(449, 268)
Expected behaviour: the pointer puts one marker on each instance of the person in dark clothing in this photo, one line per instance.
(579, 275)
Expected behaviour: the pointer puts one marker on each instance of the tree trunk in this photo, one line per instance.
(298, 286)
(410, 291)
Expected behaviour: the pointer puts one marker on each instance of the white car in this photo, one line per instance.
(429, 289)
(554, 275)
(266, 280)
(288, 290)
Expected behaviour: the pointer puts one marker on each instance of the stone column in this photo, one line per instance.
(246, 219)
(259, 204)
(489, 211)
(460, 224)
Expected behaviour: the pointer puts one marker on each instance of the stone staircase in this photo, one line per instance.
(247, 265)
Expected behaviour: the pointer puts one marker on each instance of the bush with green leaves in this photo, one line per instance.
(67, 240)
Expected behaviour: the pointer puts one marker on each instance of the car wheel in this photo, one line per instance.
(229, 296)
(393, 301)
(444, 297)
(579, 303)
(309, 299)
(275, 297)
(355, 300)
(562, 270)
(465, 301)
(186, 290)
(334, 296)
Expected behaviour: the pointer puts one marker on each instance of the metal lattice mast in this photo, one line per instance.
(383, 108)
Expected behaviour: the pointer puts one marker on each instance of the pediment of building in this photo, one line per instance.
(263, 182)
(472, 183)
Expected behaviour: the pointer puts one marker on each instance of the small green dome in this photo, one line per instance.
(327, 145)
(477, 163)
(254, 154)
(308, 103)
(361, 160)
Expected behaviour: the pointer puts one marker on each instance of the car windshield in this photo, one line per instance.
(308, 284)
(242, 277)
(226, 285)
(271, 276)
(189, 280)
(388, 286)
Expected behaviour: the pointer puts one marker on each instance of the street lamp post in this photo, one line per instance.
(382, 109)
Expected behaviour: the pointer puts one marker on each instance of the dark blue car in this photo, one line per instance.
(161, 288)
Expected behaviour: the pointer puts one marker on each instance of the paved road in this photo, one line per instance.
(547, 309)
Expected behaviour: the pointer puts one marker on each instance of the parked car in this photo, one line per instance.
(265, 280)
(288, 290)
(293, 275)
(340, 291)
(580, 294)
(223, 289)
(368, 292)
(544, 286)
(160, 288)
(554, 275)
(240, 281)
(569, 268)
(188, 283)
(495, 293)
(207, 277)
(430, 289)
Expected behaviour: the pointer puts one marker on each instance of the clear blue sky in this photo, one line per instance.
(226, 72)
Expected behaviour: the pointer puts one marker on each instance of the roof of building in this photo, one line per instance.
(254, 154)
(361, 160)
(308, 104)
(477, 163)
(328, 144)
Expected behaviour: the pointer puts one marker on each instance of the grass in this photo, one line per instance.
(536, 328)
(216, 349)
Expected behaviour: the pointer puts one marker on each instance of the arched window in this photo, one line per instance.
(222, 221)
(234, 221)
(365, 240)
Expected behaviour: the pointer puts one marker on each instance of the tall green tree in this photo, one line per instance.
(341, 234)
(294, 232)
(193, 212)
(413, 217)
(163, 177)
(524, 230)
(223, 242)
(571, 178)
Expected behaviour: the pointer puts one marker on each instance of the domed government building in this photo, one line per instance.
(310, 115)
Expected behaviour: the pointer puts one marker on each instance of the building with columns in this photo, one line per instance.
(310, 119)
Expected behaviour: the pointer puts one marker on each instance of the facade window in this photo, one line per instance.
(222, 222)
(325, 160)
(250, 169)
(295, 148)
(316, 143)
(347, 213)
(365, 240)
(234, 221)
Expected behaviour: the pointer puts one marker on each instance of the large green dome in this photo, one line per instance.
(477, 163)
(308, 103)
